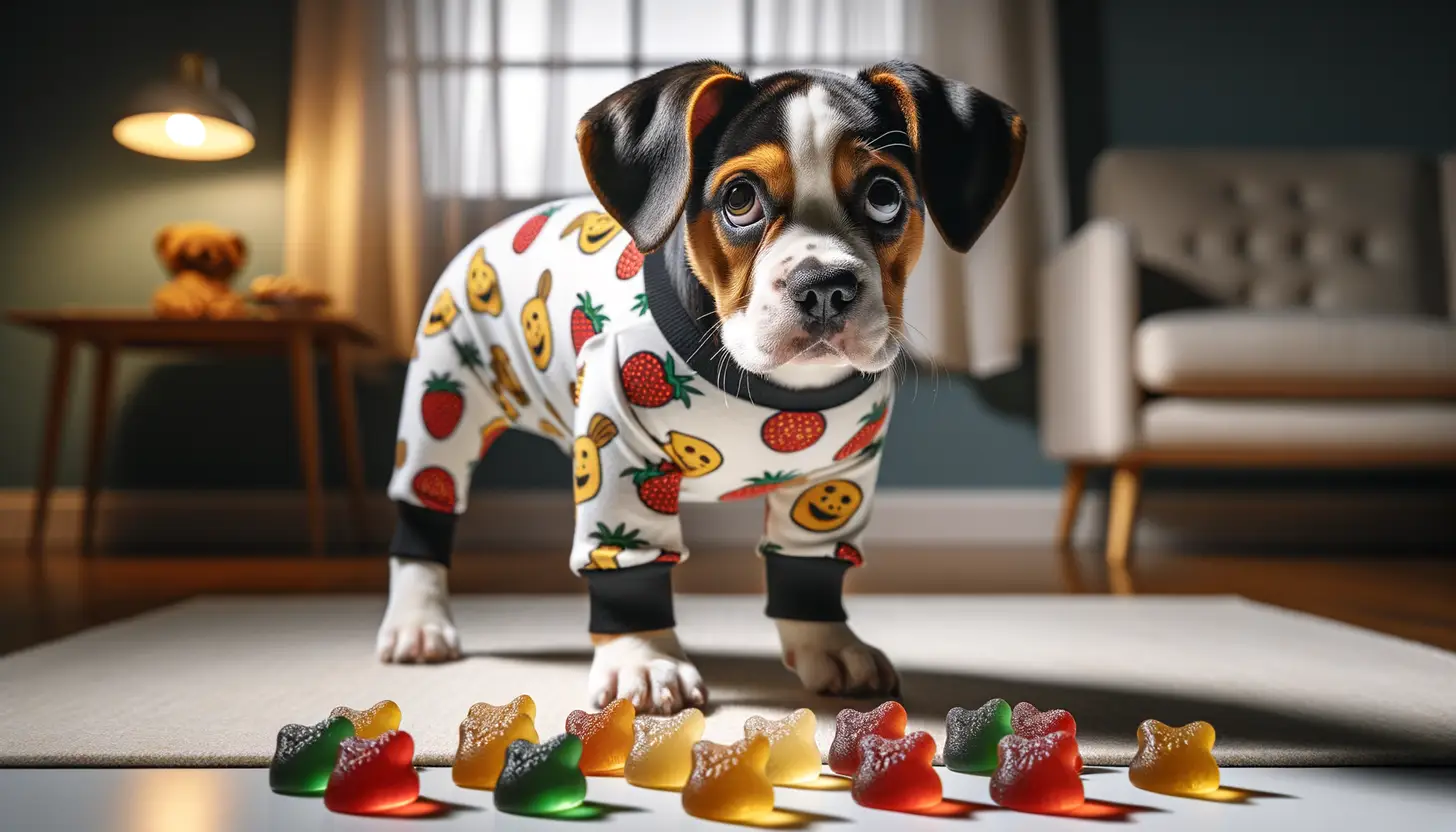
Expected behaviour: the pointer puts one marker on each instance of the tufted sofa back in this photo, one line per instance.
(1337, 232)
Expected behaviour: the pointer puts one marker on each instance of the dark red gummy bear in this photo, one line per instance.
(851, 726)
(1028, 722)
(1038, 775)
(896, 774)
(373, 775)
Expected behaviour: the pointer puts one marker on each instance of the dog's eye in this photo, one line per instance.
(740, 205)
(882, 200)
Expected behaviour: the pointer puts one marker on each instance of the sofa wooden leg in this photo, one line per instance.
(1072, 489)
(1122, 514)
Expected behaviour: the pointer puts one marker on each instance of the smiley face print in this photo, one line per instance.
(586, 457)
(693, 456)
(483, 285)
(827, 506)
(536, 326)
(442, 314)
(595, 229)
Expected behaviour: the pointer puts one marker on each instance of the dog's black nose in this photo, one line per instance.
(823, 295)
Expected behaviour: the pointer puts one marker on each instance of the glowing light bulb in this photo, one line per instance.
(186, 129)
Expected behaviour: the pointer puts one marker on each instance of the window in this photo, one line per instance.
(500, 84)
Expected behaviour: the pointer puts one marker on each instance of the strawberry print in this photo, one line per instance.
(871, 423)
(531, 229)
(759, 486)
(586, 320)
(639, 304)
(468, 353)
(770, 549)
(848, 554)
(652, 381)
(442, 405)
(630, 261)
(792, 430)
(657, 487)
(668, 557)
(435, 489)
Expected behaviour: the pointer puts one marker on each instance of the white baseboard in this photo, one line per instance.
(1178, 521)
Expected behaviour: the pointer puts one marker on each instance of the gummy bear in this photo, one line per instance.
(606, 737)
(485, 733)
(384, 716)
(793, 754)
(541, 779)
(971, 735)
(1176, 761)
(895, 774)
(888, 721)
(373, 775)
(1028, 722)
(305, 756)
(729, 782)
(1038, 775)
(662, 749)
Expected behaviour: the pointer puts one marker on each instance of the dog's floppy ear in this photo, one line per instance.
(968, 146)
(637, 144)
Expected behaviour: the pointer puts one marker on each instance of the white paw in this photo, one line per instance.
(829, 658)
(417, 626)
(648, 669)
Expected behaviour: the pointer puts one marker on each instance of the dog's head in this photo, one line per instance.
(804, 194)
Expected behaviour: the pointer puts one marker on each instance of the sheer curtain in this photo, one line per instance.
(418, 123)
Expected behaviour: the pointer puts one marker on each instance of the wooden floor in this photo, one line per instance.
(1411, 598)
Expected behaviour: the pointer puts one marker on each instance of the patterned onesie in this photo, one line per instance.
(554, 323)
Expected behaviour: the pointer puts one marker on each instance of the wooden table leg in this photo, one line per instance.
(96, 450)
(50, 448)
(349, 436)
(305, 413)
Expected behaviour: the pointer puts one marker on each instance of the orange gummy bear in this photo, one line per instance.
(1176, 761)
(606, 737)
(374, 722)
(485, 733)
(662, 749)
(729, 782)
(793, 755)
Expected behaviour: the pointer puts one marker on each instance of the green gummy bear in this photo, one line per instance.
(971, 736)
(305, 756)
(541, 779)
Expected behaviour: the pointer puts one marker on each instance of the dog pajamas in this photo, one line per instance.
(553, 323)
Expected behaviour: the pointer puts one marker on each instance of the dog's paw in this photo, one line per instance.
(648, 669)
(830, 659)
(417, 626)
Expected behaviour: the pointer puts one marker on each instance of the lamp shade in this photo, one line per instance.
(188, 117)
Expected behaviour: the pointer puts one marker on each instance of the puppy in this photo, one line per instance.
(743, 356)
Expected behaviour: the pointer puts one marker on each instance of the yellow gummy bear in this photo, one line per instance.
(1176, 761)
(370, 724)
(606, 737)
(728, 781)
(793, 755)
(662, 749)
(485, 733)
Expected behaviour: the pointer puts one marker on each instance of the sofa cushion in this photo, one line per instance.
(1296, 354)
(1284, 426)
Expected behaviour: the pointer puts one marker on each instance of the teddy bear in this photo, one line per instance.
(202, 259)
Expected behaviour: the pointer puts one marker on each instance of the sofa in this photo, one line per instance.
(1282, 309)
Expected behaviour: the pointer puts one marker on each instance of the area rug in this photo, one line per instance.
(209, 682)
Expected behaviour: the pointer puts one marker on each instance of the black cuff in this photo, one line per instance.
(424, 534)
(630, 600)
(805, 588)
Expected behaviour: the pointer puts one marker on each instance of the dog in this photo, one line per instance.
(714, 323)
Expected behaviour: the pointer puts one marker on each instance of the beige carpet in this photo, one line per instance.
(209, 682)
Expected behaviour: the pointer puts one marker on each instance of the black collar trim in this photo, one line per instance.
(690, 340)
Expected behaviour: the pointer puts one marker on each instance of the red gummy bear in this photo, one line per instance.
(851, 726)
(896, 774)
(373, 775)
(1038, 775)
(1028, 722)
